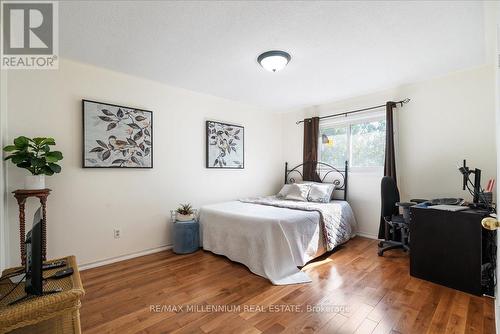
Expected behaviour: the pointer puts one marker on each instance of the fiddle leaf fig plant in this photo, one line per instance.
(35, 155)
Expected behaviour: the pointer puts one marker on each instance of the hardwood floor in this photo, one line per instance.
(360, 293)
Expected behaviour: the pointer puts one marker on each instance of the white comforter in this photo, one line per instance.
(270, 241)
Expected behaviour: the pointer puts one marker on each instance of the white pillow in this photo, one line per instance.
(311, 183)
(298, 192)
(284, 191)
(320, 192)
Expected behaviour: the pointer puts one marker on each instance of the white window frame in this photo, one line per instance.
(348, 121)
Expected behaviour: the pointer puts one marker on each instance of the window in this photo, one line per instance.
(359, 140)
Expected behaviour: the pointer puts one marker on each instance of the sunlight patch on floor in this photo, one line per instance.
(316, 264)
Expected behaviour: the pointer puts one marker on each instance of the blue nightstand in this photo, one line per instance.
(186, 237)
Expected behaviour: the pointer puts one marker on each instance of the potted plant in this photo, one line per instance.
(36, 156)
(185, 212)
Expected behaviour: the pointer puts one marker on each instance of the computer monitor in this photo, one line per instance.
(34, 260)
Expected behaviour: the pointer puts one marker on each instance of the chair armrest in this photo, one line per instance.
(418, 200)
(405, 204)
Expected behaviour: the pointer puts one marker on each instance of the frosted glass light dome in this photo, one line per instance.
(274, 61)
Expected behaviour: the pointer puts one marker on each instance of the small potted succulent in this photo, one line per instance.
(185, 212)
(36, 156)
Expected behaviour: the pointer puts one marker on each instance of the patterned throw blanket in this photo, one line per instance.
(335, 227)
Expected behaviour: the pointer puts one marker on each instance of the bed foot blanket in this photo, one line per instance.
(336, 229)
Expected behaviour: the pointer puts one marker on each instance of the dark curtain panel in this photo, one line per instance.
(311, 136)
(390, 155)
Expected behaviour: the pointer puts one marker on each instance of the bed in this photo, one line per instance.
(273, 237)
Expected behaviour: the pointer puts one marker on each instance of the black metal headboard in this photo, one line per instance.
(326, 172)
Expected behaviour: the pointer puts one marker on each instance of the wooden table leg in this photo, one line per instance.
(22, 229)
(43, 201)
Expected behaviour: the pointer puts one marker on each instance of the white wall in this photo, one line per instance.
(86, 204)
(497, 107)
(492, 37)
(448, 119)
(4, 240)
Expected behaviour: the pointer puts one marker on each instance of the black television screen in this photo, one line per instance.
(33, 243)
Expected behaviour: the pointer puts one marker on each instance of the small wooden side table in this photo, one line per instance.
(46, 314)
(21, 195)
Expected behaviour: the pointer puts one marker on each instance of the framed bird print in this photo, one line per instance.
(225, 145)
(116, 136)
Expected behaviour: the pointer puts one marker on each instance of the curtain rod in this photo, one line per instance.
(359, 110)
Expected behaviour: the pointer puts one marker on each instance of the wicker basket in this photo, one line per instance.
(51, 313)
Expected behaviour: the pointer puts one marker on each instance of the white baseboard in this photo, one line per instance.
(367, 235)
(104, 262)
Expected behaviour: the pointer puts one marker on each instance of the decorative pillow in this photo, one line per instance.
(298, 192)
(284, 191)
(330, 184)
(320, 192)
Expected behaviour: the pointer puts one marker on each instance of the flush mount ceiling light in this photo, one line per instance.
(274, 61)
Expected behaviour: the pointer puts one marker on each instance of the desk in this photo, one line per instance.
(450, 248)
(53, 313)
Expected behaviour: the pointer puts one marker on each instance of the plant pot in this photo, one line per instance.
(184, 218)
(34, 182)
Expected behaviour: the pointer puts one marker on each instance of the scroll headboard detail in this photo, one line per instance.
(326, 172)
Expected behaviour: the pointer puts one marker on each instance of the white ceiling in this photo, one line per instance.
(339, 49)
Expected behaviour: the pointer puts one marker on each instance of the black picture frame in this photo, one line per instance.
(241, 129)
(84, 133)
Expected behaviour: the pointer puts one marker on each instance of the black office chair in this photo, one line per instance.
(397, 227)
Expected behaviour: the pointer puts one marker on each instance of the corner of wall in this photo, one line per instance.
(492, 39)
(4, 240)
